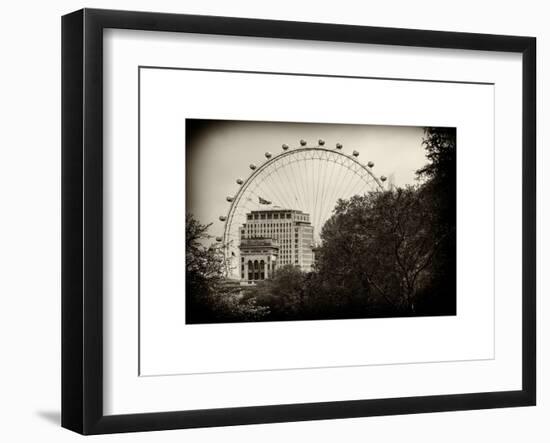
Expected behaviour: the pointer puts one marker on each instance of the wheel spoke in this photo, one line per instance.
(309, 179)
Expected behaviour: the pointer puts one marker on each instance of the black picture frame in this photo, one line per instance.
(82, 220)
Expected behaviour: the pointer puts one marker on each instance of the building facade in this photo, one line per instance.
(278, 237)
(258, 258)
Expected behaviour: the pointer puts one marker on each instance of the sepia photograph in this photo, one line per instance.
(268, 221)
(289, 221)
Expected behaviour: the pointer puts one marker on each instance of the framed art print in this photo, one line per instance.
(270, 221)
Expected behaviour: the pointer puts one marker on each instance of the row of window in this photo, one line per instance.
(273, 228)
(268, 216)
(286, 246)
(269, 225)
(277, 216)
(268, 257)
(255, 251)
(273, 237)
(284, 224)
(258, 266)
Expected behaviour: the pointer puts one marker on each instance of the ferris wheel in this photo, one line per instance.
(307, 178)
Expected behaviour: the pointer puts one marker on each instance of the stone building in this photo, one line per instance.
(273, 238)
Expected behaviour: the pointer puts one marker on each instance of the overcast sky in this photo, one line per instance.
(219, 152)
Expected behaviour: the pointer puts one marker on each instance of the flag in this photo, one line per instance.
(263, 201)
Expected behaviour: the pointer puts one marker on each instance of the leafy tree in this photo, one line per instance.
(440, 146)
(209, 296)
(385, 253)
(397, 248)
(284, 293)
(381, 244)
(440, 182)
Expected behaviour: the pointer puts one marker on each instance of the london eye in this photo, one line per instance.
(307, 178)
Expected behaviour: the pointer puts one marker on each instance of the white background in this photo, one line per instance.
(30, 234)
(169, 96)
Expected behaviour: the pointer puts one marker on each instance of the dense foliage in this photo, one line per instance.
(209, 298)
(385, 253)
